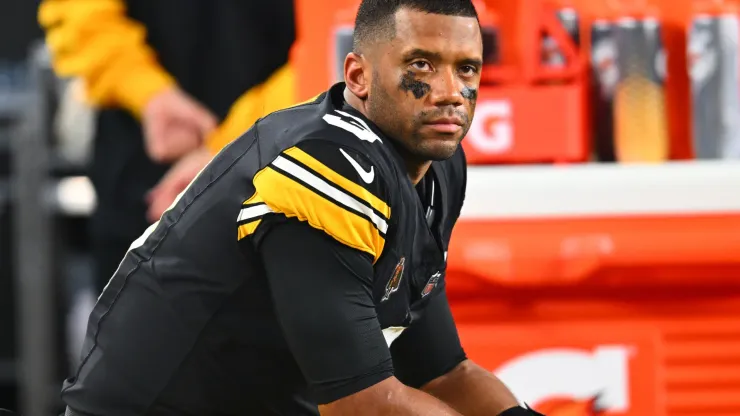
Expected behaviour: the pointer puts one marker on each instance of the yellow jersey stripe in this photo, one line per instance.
(321, 205)
(340, 181)
(324, 188)
(250, 216)
(248, 229)
(254, 199)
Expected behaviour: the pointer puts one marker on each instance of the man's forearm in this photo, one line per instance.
(472, 391)
(389, 398)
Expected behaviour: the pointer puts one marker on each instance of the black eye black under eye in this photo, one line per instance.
(417, 87)
(469, 93)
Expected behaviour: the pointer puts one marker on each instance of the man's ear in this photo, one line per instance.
(356, 75)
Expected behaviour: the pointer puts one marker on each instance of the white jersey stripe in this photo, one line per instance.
(329, 191)
(253, 212)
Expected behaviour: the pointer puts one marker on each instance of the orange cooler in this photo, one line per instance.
(603, 290)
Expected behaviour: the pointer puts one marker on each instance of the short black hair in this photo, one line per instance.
(376, 18)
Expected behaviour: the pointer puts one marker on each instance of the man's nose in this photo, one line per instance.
(446, 89)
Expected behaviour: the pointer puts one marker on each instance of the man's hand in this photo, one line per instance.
(175, 181)
(174, 124)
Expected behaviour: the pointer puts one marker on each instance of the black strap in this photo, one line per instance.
(430, 203)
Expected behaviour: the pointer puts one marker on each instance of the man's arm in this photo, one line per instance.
(318, 229)
(277, 93)
(321, 291)
(96, 41)
(428, 355)
(472, 390)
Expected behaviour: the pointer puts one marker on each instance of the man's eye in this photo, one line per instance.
(421, 65)
(469, 70)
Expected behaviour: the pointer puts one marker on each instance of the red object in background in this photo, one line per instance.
(636, 252)
(564, 300)
(575, 369)
(530, 111)
(522, 123)
(544, 106)
(609, 262)
(682, 348)
(311, 57)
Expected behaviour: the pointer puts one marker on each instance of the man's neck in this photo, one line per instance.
(415, 169)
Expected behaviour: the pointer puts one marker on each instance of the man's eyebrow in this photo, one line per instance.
(472, 61)
(436, 56)
(422, 53)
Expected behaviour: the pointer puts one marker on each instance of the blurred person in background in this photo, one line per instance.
(173, 82)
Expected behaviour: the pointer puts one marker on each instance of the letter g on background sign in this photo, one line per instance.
(492, 131)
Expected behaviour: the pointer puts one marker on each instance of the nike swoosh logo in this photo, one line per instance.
(365, 176)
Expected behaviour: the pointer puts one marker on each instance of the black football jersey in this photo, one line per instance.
(197, 318)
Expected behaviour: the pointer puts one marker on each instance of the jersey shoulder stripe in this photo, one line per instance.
(335, 179)
(250, 216)
(297, 184)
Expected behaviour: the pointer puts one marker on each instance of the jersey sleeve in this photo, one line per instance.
(97, 41)
(442, 350)
(322, 297)
(333, 188)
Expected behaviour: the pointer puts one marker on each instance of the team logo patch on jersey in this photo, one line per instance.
(395, 282)
(431, 284)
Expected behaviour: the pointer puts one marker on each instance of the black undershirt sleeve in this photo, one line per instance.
(322, 294)
(430, 347)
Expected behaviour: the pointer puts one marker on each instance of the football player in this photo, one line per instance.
(303, 271)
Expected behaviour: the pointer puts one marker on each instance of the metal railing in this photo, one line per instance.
(33, 242)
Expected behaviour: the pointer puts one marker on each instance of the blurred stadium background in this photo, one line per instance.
(596, 267)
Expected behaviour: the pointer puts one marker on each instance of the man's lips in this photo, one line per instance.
(445, 124)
